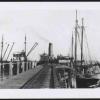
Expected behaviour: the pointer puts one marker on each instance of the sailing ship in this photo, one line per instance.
(87, 74)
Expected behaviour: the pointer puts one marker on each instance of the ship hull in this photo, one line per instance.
(87, 82)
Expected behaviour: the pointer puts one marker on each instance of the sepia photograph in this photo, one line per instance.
(49, 49)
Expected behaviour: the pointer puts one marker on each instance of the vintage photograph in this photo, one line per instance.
(49, 45)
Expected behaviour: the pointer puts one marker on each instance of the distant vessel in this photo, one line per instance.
(47, 57)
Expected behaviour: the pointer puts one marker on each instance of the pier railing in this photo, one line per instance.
(9, 69)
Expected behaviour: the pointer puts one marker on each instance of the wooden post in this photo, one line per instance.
(23, 66)
(2, 70)
(34, 64)
(26, 66)
(18, 67)
(30, 65)
(73, 81)
(10, 69)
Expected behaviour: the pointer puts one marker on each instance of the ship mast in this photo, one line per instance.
(2, 58)
(76, 31)
(82, 43)
(25, 47)
(1, 48)
(74, 84)
(72, 45)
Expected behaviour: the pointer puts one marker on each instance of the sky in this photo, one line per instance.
(45, 22)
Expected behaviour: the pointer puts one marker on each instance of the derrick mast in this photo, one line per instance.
(25, 48)
(1, 48)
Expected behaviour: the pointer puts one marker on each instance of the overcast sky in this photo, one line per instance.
(45, 22)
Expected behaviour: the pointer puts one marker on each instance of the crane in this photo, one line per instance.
(5, 51)
(32, 49)
(10, 51)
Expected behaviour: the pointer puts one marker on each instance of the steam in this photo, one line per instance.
(43, 38)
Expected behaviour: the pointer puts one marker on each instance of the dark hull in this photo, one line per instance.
(83, 82)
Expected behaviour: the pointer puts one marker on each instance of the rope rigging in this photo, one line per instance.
(89, 53)
(85, 40)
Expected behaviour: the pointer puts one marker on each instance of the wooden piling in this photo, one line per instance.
(10, 69)
(23, 67)
(18, 63)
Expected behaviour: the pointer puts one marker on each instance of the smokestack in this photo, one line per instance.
(50, 50)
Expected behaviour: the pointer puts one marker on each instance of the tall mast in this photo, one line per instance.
(72, 44)
(25, 44)
(82, 41)
(76, 26)
(1, 48)
(25, 47)
(74, 83)
(2, 58)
